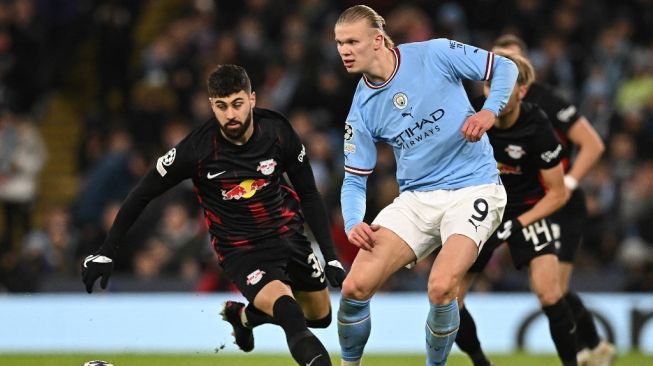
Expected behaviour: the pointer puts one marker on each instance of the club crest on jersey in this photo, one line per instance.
(166, 160)
(400, 100)
(349, 132)
(266, 166)
(255, 277)
(245, 189)
(515, 151)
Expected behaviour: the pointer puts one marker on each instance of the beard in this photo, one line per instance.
(235, 133)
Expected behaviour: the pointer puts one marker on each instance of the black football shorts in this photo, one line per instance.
(289, 259)
(570, 221)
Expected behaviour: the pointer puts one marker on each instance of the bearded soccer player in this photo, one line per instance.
(237, 162)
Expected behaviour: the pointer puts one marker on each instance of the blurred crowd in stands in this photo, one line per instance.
(149, 61)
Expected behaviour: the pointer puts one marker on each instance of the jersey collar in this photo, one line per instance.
(395, 51)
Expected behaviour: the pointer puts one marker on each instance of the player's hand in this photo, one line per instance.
(508, 228)
(363, 235)
(476, 125)
(335, 273)
(94, 267)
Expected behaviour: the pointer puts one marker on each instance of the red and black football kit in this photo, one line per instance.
(570, 218)
(252, 215)
(521, 151)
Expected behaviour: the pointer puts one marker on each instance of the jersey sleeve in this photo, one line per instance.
(359, 145)
(560, 111)
(473, 63)
(546, 143)
(178, 163)
(300, 173)
(171, 168)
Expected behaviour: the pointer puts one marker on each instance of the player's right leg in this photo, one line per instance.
(368, 272)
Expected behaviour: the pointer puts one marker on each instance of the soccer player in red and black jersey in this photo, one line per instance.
(237, 162)
(529, 158)
(580, 140)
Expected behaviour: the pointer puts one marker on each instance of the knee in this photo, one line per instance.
(352, 288)
(319, 323)
(442, 290)
(548, 297)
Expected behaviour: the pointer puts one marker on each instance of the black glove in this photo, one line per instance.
(94, 267)
(334, 272)
(508, 228)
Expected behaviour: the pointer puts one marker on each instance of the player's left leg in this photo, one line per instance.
(569, 223)
(276, 300)
(457, 255)
(316, 306)
(545, 284)
(591, 349)
(467, 337)
(470, 217)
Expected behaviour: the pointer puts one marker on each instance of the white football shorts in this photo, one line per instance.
(426, 219)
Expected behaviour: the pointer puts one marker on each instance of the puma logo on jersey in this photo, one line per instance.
(475, 226)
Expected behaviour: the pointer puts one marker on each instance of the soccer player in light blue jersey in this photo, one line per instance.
(411, 97)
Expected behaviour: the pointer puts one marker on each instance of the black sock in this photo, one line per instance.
(256, 317)
(320, 323)
(587, 334)
(304, 346)
(467, 339)
(563, 330)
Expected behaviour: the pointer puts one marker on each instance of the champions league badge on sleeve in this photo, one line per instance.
(166, 160)
(349, 132)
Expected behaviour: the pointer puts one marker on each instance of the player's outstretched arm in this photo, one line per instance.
(100, 263)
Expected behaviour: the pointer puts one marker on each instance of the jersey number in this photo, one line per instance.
(481, 207)
(317, 268)
(533, 231)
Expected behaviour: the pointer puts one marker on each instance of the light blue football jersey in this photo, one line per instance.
(420, 111)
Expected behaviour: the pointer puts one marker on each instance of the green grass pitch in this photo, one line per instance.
(281, 360)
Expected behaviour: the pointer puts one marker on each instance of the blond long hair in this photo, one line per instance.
(526, 71)
(364, 12)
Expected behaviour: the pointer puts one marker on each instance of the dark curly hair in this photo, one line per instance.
(228, 79)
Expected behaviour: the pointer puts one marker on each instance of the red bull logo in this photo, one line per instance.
(508, 169)
(245, 189)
